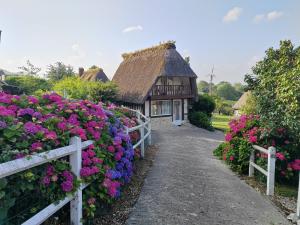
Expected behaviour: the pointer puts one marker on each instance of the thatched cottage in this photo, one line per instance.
(241, 103)
(93, 74)
(158, 81)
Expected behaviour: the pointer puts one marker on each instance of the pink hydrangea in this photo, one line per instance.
(228, 137)
(280, 156)
(36, 146)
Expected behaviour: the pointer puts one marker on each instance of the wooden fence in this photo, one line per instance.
(270, 172)
(74, 152)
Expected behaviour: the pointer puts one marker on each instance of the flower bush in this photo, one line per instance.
(31, 125)
(248, 130)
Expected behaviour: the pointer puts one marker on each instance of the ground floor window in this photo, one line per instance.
(161, 108)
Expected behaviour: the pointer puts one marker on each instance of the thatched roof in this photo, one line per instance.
(140, 70)
(96, 74)
(242, 101)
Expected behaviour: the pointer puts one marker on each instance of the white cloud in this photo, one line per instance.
(132, 28)
(232, 15)
(270, 16)
(259, 18)
(274, 15)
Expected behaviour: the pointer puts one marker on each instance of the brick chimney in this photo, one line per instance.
(80, 71)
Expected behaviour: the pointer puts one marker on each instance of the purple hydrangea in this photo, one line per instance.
(32, 128)
(3, 124)
(27, 111)
(67, 186)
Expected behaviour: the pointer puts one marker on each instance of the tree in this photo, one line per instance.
(239, 87)
(59, 71)
(275, 84)
(77, 88)
(203, 86)
(226, 91)
(30, 69)
(29, 84)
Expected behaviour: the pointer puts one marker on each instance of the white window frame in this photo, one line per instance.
(166, 114)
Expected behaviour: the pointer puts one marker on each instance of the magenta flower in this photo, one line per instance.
(46, 181)
(67, 186)
(32, 128)
(91, 201)
(51, 135)
(36, 146)
(280, 156)
(228, 137)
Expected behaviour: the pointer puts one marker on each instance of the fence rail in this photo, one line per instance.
(144, 125)
(270, 172)
(74, 152)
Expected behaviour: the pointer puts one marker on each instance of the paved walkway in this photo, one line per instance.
(187, 185)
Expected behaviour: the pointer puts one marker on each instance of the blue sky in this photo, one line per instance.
(229, 34)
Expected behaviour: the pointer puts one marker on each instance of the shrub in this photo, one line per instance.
(204, 104)
(77, 88)
(29, 84)
(200, 119)
(30, 125)
(248, 130)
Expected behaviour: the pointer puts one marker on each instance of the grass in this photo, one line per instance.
(286, 191)
(220, 122)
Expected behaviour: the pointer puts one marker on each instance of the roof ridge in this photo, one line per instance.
(162, 45)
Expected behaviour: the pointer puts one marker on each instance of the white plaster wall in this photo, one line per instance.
(160, 122)
(147, 113)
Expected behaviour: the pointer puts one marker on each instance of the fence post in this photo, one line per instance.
(142, 132)
(251, 168)
(149, 130)
(271, 170)
(76, 203)
(298, 200)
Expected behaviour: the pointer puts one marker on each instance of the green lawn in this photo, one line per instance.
(220, 122)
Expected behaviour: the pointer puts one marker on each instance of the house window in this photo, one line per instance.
(161, 108)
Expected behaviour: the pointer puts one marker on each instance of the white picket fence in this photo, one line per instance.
(144, 128)
(74, 152)
(270, 172)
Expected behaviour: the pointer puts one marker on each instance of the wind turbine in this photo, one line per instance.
(211, 77)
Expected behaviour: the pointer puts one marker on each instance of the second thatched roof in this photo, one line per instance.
(242, 101)
(96, 74)
(139, 71)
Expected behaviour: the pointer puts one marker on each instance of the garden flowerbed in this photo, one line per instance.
(30, 125)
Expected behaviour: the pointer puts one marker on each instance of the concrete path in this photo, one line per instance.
(187, 185)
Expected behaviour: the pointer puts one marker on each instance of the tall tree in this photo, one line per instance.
(275, 84)
(226, 91)
(30, 69)
(59, 71)
(203, 86)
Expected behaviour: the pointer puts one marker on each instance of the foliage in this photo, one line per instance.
(29, 84)
(204, 104)
(77, 88)
(276, 88)
(250, 106)
(203, 87)
(220, 122)
(30, 125)
(30, 69)
(223, 106)
(248, 130)
(200, 119)
(226, 91)
(59, 71)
